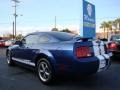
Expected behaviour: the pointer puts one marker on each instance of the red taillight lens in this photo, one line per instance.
(83, 52)
(112, 46)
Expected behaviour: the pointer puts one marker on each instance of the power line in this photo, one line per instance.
(5, 22)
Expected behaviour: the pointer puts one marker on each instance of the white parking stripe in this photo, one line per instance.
(23, 61)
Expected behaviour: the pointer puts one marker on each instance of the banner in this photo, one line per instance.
(88, 21)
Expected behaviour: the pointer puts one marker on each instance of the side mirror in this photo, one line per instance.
(18, 43)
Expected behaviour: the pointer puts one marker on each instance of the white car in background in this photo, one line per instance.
(9, 43)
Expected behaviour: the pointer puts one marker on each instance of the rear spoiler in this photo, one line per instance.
(86, 39)
(83, 39)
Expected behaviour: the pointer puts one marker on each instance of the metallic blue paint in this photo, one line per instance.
(60, 54)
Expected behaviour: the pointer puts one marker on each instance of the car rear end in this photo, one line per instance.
(114, 48)
(2, 43)
(93, 54)
(86, 57)
(113, 44)
(9, 43)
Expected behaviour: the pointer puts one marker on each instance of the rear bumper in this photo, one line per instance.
(115, 53)
(86, 66)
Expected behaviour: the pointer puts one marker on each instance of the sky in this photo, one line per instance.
(39, 15)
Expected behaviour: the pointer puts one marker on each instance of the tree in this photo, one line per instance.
(19, 37)
(66, 30)
(106, 26)
(115, 26)
(118, 23)
(103, 26)
(54, 29)
(110, 26)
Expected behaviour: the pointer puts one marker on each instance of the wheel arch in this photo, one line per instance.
(7, 51)
(42, 55)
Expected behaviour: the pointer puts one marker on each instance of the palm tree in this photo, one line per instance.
(107, 28)
(110, 26)
(118, 23)
(103, 26)
(115, 26)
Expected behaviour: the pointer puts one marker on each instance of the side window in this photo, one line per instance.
(30, 39)
(44, 39)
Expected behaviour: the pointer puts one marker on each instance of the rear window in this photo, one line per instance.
(115, 38)
(62, 36)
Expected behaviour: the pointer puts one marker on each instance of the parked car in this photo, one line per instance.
(2, 43)
(55, 53)
(9, 43)
(114, 45)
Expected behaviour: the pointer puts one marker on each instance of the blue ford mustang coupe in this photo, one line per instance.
(55, 53)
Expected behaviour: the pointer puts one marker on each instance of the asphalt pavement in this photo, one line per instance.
(18, 78)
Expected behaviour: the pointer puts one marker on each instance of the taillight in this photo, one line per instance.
(83, 52)
(112, 46)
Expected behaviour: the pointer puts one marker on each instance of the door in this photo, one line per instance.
(25, 53)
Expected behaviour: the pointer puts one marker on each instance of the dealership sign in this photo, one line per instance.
(88, 22)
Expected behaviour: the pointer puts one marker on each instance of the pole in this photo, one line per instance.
(13, 30)
(55, 21)
(15, 16)
(15, 20)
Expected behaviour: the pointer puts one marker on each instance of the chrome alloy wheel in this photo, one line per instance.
(44, 71)
(8, 58)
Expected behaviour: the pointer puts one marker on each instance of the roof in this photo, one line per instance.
(49, 32)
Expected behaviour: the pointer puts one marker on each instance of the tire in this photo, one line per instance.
(9, 59)
(45, 71)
